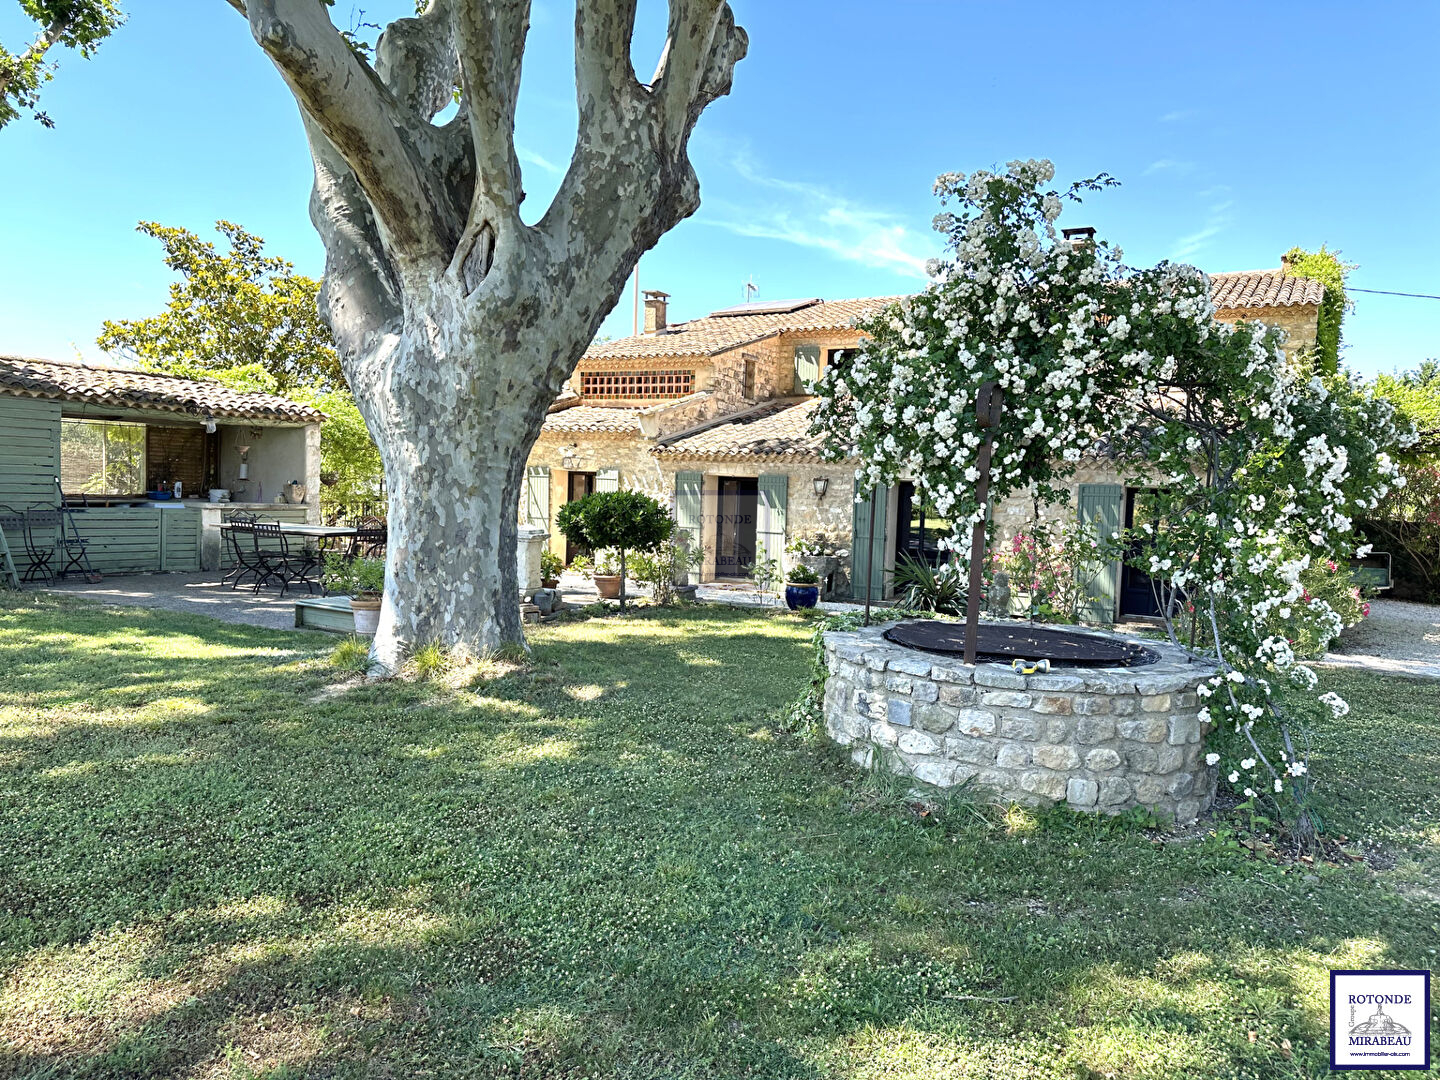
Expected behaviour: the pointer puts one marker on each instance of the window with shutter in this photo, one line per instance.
(1100, 508)
(867, 551)
(607, 479)
(689, 493)
(807, 367)
(770, 517)
(536, 502)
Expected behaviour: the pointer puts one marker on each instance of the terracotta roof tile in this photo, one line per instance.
(712, 334)
(126, 389)
(1262, 289)
(594, 418)
(779, 428)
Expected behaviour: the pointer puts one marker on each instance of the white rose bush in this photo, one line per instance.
(1258, 463)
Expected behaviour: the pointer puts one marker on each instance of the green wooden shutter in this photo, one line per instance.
(807, 367)
(537, 495)
(689, 494)
(607, 479)
(867, 553)
(1101, 507)
(770, 517)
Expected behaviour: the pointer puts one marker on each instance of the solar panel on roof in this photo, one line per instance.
(765, 307)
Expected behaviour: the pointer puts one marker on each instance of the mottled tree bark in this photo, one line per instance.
(456, 322)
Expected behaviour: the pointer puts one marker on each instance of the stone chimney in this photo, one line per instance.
(1285, 263)
(655, 310)
(1080, 236)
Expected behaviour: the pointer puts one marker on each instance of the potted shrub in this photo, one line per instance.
(361, 579)
(612, 523)
(550, 567)
(802, 588)
(606, 574)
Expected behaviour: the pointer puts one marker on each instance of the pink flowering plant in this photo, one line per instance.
(1054, 565)
(1260, 463)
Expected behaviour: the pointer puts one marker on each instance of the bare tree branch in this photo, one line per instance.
(701, 51)
(604, 76)
(490, 38)
(359, 296)
(359, 116)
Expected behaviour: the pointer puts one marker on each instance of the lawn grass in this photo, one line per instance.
(218, 858)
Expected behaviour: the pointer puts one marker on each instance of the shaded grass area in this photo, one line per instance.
(217, 858)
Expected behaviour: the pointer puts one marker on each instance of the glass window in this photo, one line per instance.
(100, 457)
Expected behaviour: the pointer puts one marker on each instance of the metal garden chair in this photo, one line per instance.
(41, 543)
(278, 561)
(242, 549)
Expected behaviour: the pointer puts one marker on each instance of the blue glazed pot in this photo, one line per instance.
(801, 596)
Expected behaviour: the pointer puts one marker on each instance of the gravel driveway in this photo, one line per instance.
(1398, 637)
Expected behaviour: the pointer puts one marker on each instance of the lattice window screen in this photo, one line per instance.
(636, 385)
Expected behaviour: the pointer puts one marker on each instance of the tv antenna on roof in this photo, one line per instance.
(751, 288)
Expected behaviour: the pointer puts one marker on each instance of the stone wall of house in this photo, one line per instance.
(774, 366)
(564, 452)
(1101, 740)
(1300, 323)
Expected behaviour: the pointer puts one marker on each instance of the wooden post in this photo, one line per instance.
(870, 556)
(989, 401)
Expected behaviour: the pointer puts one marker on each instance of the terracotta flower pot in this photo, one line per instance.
(367, 614)
(609, 585)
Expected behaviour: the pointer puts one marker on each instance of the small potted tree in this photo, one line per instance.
(802, 587)
(620, 521)
(361, 579)
(609, 581)
(550, 567)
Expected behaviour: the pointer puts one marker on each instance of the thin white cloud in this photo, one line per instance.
(813, 216)
(1176, 115)
(1181, 168)
(532, 158)
(1216, 223)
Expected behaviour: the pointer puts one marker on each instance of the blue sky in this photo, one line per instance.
(1237, 131)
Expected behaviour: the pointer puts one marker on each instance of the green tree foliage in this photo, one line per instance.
(1416, 395)
(246, 319)
(235, 309)
(623, 520)
(71, 24)
(1325, 267)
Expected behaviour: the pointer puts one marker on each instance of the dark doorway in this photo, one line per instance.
(580, 485)
(919, 529)
(735, 525)
(1140, 594)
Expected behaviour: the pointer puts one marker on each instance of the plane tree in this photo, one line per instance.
(456, 322)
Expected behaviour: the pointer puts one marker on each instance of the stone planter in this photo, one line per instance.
(1099, 739)
(823, 565)
(801, 595)
(367, 614)
(608, 585)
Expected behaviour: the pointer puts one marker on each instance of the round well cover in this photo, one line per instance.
(1021, 641)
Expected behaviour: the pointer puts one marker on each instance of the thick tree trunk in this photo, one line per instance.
(455, 321)
(454, 431)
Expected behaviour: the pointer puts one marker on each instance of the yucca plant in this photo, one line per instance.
(926, 588)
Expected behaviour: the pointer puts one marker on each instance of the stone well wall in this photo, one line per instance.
(1099, 739)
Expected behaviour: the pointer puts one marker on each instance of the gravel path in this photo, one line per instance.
(1398, 637)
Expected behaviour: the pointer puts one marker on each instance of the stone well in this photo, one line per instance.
(1098, 739)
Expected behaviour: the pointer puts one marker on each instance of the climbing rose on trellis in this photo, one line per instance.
(1261, 463)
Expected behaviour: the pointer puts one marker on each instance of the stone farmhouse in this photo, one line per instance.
(711, 417)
